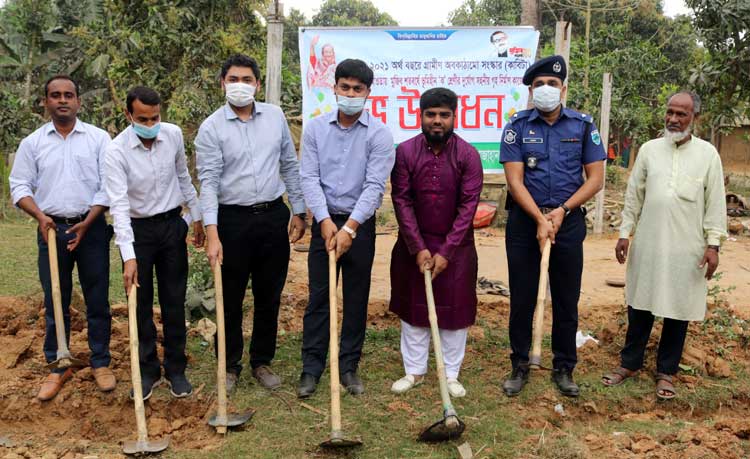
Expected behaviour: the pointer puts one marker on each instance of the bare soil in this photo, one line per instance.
(81, 415)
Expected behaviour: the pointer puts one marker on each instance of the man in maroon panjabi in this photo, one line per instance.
(436, 184)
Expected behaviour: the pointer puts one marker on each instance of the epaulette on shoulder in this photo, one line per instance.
(582, 116)
(519, 115)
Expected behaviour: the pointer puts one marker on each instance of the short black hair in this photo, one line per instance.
(240, 60)
(147, 96)
(354, 68)
(438, 97)
(61, 76)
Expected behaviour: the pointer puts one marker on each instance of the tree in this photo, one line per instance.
(723, 74)
(486, 13)
(342, 13)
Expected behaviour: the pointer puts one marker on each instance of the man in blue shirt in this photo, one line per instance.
(347, 155)
(57, 179)
(246, 161)
(544, 152)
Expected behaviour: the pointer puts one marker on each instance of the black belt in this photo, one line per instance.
(68, 220)
(162, 216)
(255, 208)
(546, 210)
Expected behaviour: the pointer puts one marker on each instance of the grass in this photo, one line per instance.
(18, 271)
(500, 427)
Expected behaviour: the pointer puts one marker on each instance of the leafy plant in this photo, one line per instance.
(200, 299)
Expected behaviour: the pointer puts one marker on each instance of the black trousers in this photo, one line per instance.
(565, 269)
(670, 345)
(256, 245)
(160, 245)
(92, 258)
(355, 267)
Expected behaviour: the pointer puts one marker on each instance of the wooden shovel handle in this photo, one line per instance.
(541, 296)
(135, 366)
(333, 351)
(54, 271)
(221, 363)
(439, 362)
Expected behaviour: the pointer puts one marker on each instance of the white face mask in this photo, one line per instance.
(351, 105)
(546, 98)
(240, 94)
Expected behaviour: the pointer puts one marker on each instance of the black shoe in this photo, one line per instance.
(563, 379)
(352, 383)
(520, 376)
(179, 386)
(307, 385)
(147, 385)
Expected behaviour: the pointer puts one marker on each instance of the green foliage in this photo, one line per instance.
(200, 297)
(486, 13)
(721, 76)
(648, 54)
(342, 13)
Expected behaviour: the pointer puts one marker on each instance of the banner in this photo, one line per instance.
(482, 65)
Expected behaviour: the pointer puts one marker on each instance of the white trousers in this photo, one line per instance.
(415, 349)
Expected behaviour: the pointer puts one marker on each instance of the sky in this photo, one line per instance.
(426, 13)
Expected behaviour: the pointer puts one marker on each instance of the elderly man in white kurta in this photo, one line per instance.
(676, 211)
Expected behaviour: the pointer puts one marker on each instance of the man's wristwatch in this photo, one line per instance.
(349, 231)
(714, 247)
(566, 209)
(302, 216)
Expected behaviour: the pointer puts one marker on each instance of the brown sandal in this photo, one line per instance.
(664, 388)
(618, 376)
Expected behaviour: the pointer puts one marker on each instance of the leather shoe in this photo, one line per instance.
(520, 376)
(231, 381)
(352, 383)
(105, 379)
(563, 379)
(266, 377)
(307, 385)
(52, 385)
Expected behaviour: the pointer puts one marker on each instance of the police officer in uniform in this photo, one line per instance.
(545, 151)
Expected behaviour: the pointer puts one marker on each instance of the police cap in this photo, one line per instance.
(549, 66)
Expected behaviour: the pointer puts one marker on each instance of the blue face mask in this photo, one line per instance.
(146, 132)
(350, 105)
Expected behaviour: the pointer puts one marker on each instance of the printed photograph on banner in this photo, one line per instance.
(484, 66)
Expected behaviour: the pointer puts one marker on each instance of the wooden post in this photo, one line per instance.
(604, 133)
(563, 37)
(275, 39)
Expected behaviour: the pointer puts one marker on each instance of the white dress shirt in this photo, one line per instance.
(143, 182)
(62, 175)
(244, 162)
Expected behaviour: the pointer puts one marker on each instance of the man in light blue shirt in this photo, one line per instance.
(246, 161)
(57, 179)
(347, 156)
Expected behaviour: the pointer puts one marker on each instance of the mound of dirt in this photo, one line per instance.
(81, 416)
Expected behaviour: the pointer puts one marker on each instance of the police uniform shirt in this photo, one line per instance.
(553, 155)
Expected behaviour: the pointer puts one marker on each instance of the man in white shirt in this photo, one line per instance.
(57, 179)
(675, 210)
(246, 161)
(148, 182)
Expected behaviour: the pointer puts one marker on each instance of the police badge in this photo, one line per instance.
(531, 162)
(556, 67)
(510, 137)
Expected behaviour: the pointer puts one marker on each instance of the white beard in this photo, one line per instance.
(675, 137)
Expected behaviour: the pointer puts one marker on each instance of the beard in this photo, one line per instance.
(677, 136)
(437, 138)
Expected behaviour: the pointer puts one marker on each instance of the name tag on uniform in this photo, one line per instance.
(533, 140)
